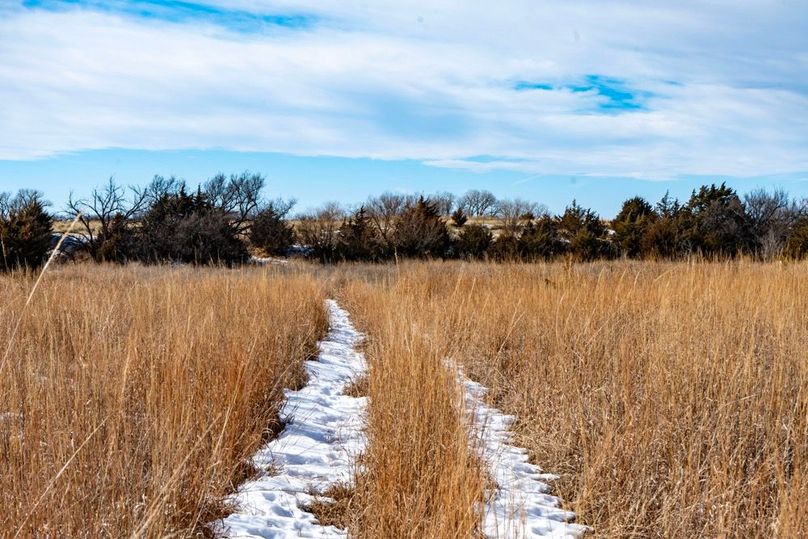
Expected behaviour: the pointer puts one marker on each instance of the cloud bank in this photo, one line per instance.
(650, 90)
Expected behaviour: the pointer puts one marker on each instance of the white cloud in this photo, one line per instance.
(397, 80)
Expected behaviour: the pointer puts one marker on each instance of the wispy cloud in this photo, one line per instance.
(647, 90)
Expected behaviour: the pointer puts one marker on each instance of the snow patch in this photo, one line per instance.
(268, 261)
(521, 505)
(318, 448)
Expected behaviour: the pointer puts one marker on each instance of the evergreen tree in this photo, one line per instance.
(540, 240)
(117, 242)
(584, 232)
(25, 231)
(718, 223)
(459, 218)
(631, 224)
(667, 236)
(357, 238)
(797, 242)
(473, 241)
(270, 231)
(421, 232)
(505, 248)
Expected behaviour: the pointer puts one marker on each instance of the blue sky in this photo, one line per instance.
(339, 99)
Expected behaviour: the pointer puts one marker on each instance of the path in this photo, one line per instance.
(317, 449)
(520, 505)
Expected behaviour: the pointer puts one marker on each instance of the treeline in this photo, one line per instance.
(226, 218)
(165, 222)
(714, 222)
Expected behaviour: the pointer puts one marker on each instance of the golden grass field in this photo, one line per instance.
(132, 397)
(671, 398)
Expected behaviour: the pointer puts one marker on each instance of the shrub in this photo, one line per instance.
(357, 238)
(473, 242)
(421, 232)
(631, 224)
(770, 217)
(271, 232)
(179, 227)
(319, 231)
(718, 225)
(540, 240)
(797, 243)
(505, 248)
(25, 230)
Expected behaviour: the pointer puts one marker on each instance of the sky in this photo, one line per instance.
(550, 100)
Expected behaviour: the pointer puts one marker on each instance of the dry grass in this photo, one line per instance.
(671, 397)
(420, 479)
(132, 397)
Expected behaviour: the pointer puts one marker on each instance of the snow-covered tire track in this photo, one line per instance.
(521, 505)
(323, 436)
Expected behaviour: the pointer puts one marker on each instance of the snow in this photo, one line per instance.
(268, 261)
(521, 505)
(324, 435)
(317, 449)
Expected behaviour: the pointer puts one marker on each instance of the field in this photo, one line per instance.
(131, 398)
(670, 398)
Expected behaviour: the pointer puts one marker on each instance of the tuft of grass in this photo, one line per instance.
(334, 507)
(138, 394)
(358, 387)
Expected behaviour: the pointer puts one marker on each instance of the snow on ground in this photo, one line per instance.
(521, 506)
(323, 437)
(317, 449)
(268, 261)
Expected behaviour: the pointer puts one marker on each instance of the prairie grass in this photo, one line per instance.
(672, 398)
(419, 478)
(132, 397)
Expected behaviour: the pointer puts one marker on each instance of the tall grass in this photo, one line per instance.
(133, 396)
(419, 478)
(672, 398)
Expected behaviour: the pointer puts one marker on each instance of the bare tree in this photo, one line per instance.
(770, 217)
(280, 206)
(106, 208)
(478, 203)
(444, 202)
(269, 228)
(383, 211)
(161, 186)
(514, 214)
(319, 230)
(238, 196)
